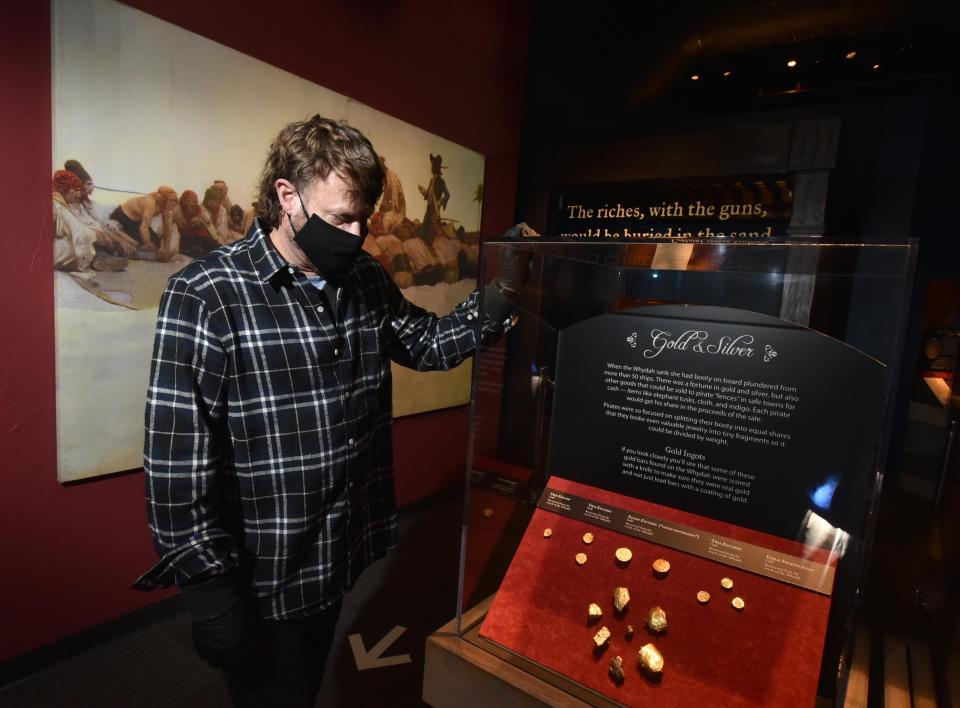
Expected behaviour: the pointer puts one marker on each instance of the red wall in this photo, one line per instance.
(68, 554)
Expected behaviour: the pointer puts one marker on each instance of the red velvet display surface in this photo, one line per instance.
(768, 654)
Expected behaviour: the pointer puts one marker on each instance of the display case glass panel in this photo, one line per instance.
(700, 428)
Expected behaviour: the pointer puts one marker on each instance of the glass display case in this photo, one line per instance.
(675, 455)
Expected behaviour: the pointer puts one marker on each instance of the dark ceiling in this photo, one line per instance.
(610, 66)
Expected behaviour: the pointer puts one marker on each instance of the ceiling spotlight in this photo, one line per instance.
(728, 73)
(851, 54)
(792, 63)
(695, 77)
(876, 66)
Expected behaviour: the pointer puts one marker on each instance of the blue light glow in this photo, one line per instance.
(822, 496)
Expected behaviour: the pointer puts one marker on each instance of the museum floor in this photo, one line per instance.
(156, 666)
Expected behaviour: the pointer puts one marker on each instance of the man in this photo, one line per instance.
(393, 205)
(113, 245)
(215, 217)
(235, 230)
(224, 191)
(193, 239)
(73, 241)
(437, 196)
(135, 216)
(267, 453)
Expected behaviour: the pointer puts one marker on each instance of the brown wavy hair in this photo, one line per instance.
(312, 149)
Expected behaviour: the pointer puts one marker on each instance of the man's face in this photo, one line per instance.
(88, 188)
(333, 201)
(73, 196)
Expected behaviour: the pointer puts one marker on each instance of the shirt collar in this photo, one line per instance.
(270, 265)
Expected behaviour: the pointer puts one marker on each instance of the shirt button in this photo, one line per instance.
(346, 394)
(469, 317)
(350, 485)
(319, 308)
(336, 352)
(291, 270)
(350, 441)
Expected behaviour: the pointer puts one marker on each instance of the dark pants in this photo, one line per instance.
(285, 664)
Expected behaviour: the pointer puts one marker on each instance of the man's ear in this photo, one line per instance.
(287, 194)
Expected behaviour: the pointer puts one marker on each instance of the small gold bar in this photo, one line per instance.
(657, 620)
(650, 658)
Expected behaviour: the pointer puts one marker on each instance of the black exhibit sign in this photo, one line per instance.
(723, 413)
(730, 209)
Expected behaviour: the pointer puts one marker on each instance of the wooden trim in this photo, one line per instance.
(858, 682)
(896, 673)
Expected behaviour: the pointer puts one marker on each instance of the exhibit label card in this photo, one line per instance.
(802, 572)
(723, 413)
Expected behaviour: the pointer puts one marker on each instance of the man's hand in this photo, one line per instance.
(225, 639)
(518, 231)
(222, 622)
(513, 263)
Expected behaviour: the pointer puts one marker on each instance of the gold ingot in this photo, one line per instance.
(661, 566)
(726, 583)
(581, 558)
(738, 603)
(616, 668)
(703, 597)
(547, 533)
(601, 637)
(588, 537)
(621, 597)
(594, 611)
(488, 512)
(657, 620)
(624, 555)
(650, 658)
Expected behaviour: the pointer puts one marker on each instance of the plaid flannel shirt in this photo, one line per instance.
(268, 422)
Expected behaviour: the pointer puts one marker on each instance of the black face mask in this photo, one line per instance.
(329, 249)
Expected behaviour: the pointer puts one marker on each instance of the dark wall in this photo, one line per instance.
(69, 553)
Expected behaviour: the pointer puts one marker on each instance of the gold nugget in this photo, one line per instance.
(488, 512)
(650, 658)
(588, 537)
(703, 597)
(738, 603)
(726, 583)
(547, 533)
(616, 668)
(601, 637)
(581, 558)
(624, 555)
(594, 611)
(621, 597)
(657, 619)
(661, 566)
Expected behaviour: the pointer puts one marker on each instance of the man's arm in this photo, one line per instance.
(185, 436)
(426, 342)
(146, 216)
